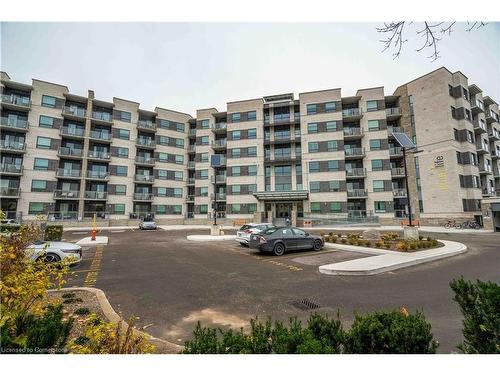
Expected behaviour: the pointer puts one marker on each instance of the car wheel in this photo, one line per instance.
(317, 245)
(51, 258)
(243, 244)
(279, 249)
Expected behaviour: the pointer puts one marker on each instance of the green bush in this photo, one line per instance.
(480, 305)
(392, 332)
(82, 311)
(53, 232)
(9, 228)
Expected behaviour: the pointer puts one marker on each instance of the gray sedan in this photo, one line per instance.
(280, 240)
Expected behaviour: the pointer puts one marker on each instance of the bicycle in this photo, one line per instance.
(452, 224)
(470, 224)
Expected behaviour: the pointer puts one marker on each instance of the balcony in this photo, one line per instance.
(146, 143)
(190, 198)
(395, 152)
(399, 193)
(14, 124)
(191, 164)
(219, 179)
(97, 175)
(144, 197)
(476, 106)
(392, 113)
(495, 154)
(190, 181)
(191, 148)
(480, 127)
(144, 178)
(11, 169)
(357, 193)
(394, 129)
(354, 153)
(96, 195)
(9, 192)
(282, 158)
(70, 152)
(6, 145)
(192, 133)
(69, 173)
(397, 172)
(100, 136)
(146, 125)
(489, 192)
(482, 148)
(353, 133)
(352, 113)
(74, 112)
(485, 169)
(219, 128)
(102, 117)
(355, 172)
(494, 135)
(98, 155)
(220, 197)
(16, 102)
(491, 116)
(75, 133)
(144, 160)
(66, 194)
(219, 144)
(222, 162)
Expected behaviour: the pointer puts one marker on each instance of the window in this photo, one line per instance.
(178, 175)
(177, 209)
(48, 101)
(236, 189)
(162, 157)
(36, 208)
(204, 191)
(43, 142)
(178, 192)
(205, 124)
(252, 133)
(312, 128)
(179, 159)
(236, 117)
(161, 209)
(119, 208)
(252, 151)
(252, 188)
(120, 189)
(121, 170)
(330, 107)
(236, 134)
(331, 126)
(204, 174)
(373, 125)
(315, 207)
(163, 140)
(375, 144)
(252, 115)
(162, 174)
(122, 152)
(380, 207)
(179, 142)
(125, 116)
(334, 186)
(252, 170)
(236, 152)
(46, 122)
(123, 133)
(333, 146)
(450, 90)
(371, 105)
(164, 124)
(203, 208)
(335, 207)
(378, 185)
(235, 208)
(236, 171)
(311, 109)
(313, 166)
(179, 127)
(41, 164)
(377, 165)
(313, 147)
(252, 207)
(314, 187)
(333, 165)
(161, 192)
(38, 185)
(204, 157)
(204, 140)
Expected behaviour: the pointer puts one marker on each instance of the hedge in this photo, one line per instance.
(53, 232)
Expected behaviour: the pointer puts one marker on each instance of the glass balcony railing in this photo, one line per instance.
(397, 171)
(351, 112)
(146, 142)
(355, 172)
(9, 192)
(23, 101)
(143, 196)
(395, 151)
(98, 175)
(102, 116)
(144, 177)
(10, 145)
(356, 193)
(74, 132)
(145, 160)
(70, 151)
(14, 123)
(104, 155)
(100, 135)
(11, 168)
(71, 173)
(66, 194)
(349, 132)
(74, 111)
(395, 111)
(146, 125)
(399, 192)
(99, 195)
(354, 151)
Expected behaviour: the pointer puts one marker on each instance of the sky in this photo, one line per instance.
(189, 66)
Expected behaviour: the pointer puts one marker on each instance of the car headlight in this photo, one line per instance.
(71, 251)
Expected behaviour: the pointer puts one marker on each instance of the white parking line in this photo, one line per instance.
(117, 231)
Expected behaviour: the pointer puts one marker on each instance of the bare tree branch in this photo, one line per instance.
(395, 31)
(476, 25)
(431, 40)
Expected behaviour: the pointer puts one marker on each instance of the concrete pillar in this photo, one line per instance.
(294, 214)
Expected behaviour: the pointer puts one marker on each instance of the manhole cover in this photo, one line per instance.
(306, 304)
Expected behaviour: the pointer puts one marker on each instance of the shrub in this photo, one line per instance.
(326, 238)
(68, 295)
(343, 240)
(394, 332)
(402, 246)
(353, 236)
(10, 228)
(420, 238)
(413, 245)
(333, 239)
(81, 340)
(429, 238)
(53, 232)
(82, 311)
(480, 305)
(379, 244)
(331, 234)
(389, 236)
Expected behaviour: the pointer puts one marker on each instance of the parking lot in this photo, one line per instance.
(170, 283)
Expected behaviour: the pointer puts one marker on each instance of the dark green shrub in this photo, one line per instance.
(392, 332)
(9, 228)
(68, 295)
(53, 232)
(81, 340)
(82, 311)
(480, 305)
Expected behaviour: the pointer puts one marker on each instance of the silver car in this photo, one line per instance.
(55, 251)
(147, 224)
(243, 235)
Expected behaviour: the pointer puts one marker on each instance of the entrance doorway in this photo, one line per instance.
(283, 210)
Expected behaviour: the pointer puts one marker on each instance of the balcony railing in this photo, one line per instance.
(74, 111)
(9, 192)
(355, 151)
(399, 192)
(7, 144)
(104, 155)
(351, 112)
(143, 196)
(485, 169)
(192, 132)
(394, 129)
(482, 148)
(400, 213)
(395, 111)
(357, 193)
(397, 171)
(191, 181)
(73, 132)
(102, 116)
(145, 160)
(98, 175)
(191, 148)
(70, 151)
(219, 126)
(480, 126)
(14, 123)
(66, 194)
(98, 195)
(220, 196)
(395, 151)
(355, 172)
(350, 132)
(219, 143)
(489, 191)
(190, 197)
(11, 168)
(144, 177)
(19, 100)
(477, 104)
(146, 125)
(191, 164)
(218, 178)
(147, 142)
(101, 136)
(71, 173)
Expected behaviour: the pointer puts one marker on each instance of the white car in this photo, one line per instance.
(147, 224)
(243, 235)
(54, 251)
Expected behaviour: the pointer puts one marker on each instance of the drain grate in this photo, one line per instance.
(306, 304)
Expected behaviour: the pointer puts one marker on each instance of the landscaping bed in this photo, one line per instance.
(386, 241)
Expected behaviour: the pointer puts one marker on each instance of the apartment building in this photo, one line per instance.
(318, 158)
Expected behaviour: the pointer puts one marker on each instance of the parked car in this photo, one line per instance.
(280, 240)
(9, 222)
(147, 224)
(243, 235)
(55, 251)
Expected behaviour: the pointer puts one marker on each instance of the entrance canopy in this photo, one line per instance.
(297, 195)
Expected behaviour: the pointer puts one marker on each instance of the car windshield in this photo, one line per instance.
(270, 230)
(148, 220)
(245, 227)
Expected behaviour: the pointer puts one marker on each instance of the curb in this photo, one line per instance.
(206, 237)
(113, 317)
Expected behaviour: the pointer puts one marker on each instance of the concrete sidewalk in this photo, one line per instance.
(387, 260)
